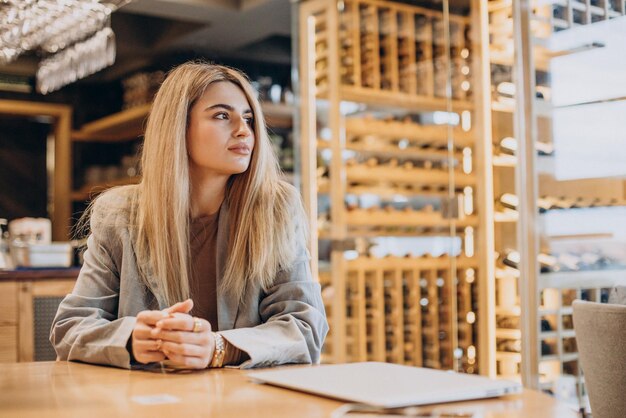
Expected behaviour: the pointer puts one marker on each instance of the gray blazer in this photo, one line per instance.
(284, 324)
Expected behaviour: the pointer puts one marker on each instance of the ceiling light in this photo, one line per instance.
(72, 36)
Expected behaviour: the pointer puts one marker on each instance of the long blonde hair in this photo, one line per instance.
(264, 211)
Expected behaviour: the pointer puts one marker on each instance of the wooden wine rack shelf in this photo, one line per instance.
(394, 304)
(400, 175)
(390, 58)
(391, 54)
(393, 218)
(416, 134)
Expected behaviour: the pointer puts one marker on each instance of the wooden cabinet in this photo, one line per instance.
(8, 322)
(29, 300)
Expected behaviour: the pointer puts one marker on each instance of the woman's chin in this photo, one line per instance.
(239, 169)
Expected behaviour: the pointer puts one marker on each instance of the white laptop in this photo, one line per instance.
(386, 385)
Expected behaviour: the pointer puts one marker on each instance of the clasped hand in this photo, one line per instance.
(169, 335)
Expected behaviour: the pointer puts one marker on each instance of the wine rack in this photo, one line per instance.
(396, 309)
(381, 170)
(548, 18)
(395, 53)
(564, 275)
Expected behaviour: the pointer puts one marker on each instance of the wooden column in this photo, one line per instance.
(526, 186)
(481, 121)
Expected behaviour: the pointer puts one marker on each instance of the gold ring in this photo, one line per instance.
(197, 325)
(159, 344)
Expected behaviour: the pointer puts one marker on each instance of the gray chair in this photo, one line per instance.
(601, 339)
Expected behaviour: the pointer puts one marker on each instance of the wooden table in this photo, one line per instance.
(63, 389)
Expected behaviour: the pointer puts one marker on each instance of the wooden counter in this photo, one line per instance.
(62, 389)
(28, 299)
(39, 274)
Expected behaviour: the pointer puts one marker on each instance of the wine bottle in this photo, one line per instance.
(511, 259)
(508, 145)
(509, 200)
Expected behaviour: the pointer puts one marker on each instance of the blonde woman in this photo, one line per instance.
(204, 263)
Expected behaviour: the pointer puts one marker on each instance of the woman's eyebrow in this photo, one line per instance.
(227, 107)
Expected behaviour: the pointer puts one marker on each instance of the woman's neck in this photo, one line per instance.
(207, 194)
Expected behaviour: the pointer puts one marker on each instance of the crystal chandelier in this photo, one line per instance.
(73, 36)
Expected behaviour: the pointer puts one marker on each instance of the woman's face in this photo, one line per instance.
(220, 135)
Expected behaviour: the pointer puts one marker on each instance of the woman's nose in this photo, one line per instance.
(242, 128)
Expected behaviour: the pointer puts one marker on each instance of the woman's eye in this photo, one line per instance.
(250, 121)
(221, 115)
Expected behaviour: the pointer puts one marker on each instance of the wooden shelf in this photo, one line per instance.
(507, 356)
(89, 191)
(129, 124)
(378, 97)
(390, 151)
(508, 311)
(544, 163)
(542, 108)
(430, 153)
(434, 135)
(506, 333)
(388, 192)
(371, 175)
(425, 262)
(506, 216)
(381, 218)
(122, 126)
(507, 273)
(504, 160)
(373, 231)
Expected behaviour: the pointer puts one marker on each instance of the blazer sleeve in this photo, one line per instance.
(86, 326)
(294, 323)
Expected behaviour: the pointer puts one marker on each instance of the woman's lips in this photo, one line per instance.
(241, 149)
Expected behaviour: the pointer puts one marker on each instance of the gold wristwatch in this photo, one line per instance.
(219, 352)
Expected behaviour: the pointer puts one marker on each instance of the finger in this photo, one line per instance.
(142, 331)
(147, 345)
(182, 322)
(186, 350)
(182, 307)
(188, 362)
(150, 357)
(184, 337)
(151, 317)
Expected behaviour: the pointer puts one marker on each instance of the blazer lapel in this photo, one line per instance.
(227, 306)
